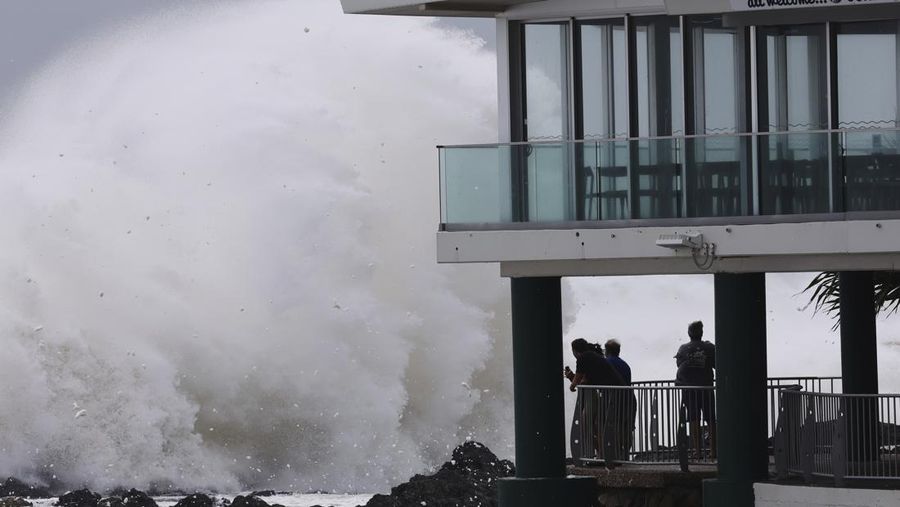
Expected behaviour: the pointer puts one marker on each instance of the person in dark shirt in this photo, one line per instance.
(592, 369)
(696, 361)
(613, 348)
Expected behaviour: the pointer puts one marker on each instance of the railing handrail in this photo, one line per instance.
(671, 137)
(634, 387)
(847, 395)
(639, 383)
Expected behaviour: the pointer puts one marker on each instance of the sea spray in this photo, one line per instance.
(218, 265)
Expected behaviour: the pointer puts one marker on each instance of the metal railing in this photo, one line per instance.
(659, 422)
(644, 424)
(812, 384)
(838, 436)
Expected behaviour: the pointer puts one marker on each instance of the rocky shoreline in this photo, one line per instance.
(467, 479)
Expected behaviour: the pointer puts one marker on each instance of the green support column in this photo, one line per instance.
(859, 363)
(538, 395)
(859, 356)
(740, 389)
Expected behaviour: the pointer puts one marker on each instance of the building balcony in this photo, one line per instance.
(749, 195)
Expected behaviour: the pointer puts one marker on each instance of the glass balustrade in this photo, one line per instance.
(785, 173)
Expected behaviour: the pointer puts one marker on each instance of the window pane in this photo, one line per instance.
(867, 86)
(719, 82)
(545, 81)
(603, 81)
(794, 169)
(796, 80)
(658, 59)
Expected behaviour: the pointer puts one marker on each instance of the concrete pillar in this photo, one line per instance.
(740, 389)
(859, 363)
(538, 395)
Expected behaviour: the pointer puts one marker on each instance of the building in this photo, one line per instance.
(730, 137)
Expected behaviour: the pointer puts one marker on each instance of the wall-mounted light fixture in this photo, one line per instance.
(676, 241)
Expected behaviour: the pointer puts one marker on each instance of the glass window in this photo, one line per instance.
(548, 182)
(867, 99)
(545, 82)
(604, 84)
(604, 115)
(867, 75)
(717, 168)
(716, 100)
(794, 97)
(794, 168)
(659, 77)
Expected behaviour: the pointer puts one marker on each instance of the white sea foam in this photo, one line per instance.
(218, 255)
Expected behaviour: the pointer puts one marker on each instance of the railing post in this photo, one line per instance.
(576, 439)
(654, 421)
(682, 438)
(779, 439)
(839, 449)
(808, 441)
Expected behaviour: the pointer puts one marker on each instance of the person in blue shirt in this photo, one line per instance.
(613, 347)
(626, 400)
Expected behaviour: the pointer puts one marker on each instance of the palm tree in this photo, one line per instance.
(825, 296)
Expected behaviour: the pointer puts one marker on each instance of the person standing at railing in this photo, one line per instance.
(592, 369)
(613, 348)
(696, 361)
(626, 400)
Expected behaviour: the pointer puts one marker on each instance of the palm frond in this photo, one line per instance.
(825, 291)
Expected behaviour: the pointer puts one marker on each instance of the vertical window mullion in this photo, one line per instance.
(688, 99)
(837, 183)
(631, 99)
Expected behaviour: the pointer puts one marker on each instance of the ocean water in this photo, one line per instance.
(218, 266)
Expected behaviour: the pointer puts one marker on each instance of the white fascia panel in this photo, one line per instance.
(779, 495)
(676, 7)
(556, 9)
(807, 246)
(369, 6)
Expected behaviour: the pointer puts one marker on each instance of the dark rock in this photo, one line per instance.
(137, 498)
(14, 501)
(195, 500)
(79, 498)
(469, 478)
(248, 501)
(15, 487)
(110, 501)
(265, 492)
(478, 461)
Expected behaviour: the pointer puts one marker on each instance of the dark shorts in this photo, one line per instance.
(699, 401)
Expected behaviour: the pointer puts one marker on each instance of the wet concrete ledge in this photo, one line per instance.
(646, 476)
(648, 485)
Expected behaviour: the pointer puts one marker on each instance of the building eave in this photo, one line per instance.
(441, 8)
